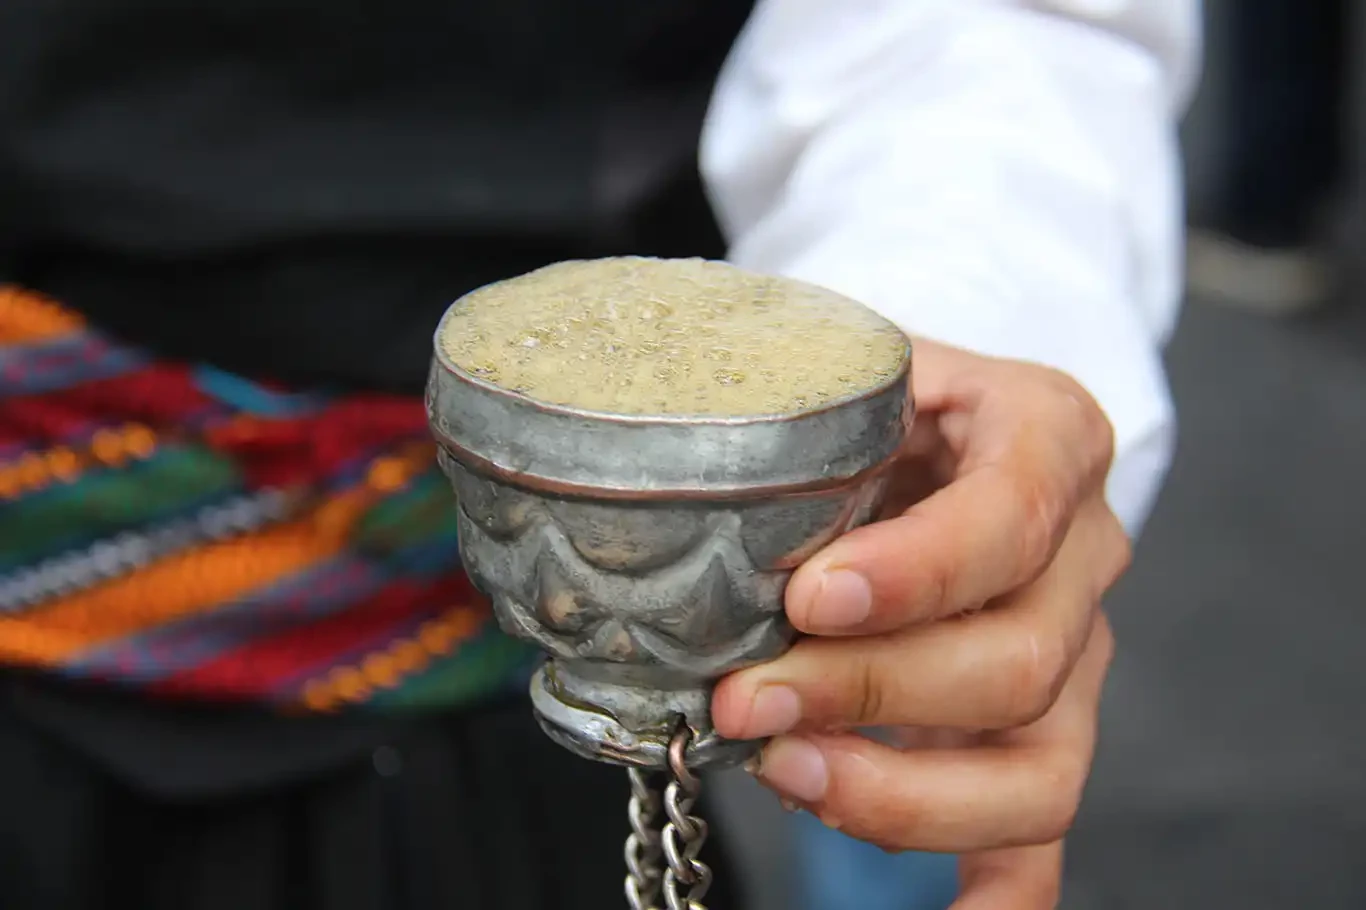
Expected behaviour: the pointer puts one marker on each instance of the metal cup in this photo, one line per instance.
(648, 555)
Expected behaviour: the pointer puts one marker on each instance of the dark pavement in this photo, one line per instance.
(1232, 771)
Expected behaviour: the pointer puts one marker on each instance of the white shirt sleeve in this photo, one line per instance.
(1002, 176)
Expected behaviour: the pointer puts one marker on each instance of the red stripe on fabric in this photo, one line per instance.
(42, 420)
(257, 668)
(282, 452)
(161, 394)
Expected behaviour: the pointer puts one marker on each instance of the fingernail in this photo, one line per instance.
(843, 600)
(775, 710)
(796, 768)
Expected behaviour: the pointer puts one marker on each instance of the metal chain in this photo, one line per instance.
(678, 843)
(643, 847)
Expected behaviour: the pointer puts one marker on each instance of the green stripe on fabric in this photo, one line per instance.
(108, 501)
(425, 510)
(478, 668)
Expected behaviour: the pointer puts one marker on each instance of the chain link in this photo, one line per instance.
(677, 843)
(643, 847)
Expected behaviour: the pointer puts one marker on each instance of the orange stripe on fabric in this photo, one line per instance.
(110, 447)
(385, 669)
(180, 585)
(29, 317)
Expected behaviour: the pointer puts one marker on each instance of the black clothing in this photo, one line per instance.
(298, 188)
(476, 810)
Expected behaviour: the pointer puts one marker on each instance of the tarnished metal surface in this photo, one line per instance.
(648, 556)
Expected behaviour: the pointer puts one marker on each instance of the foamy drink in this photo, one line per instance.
(672, 337)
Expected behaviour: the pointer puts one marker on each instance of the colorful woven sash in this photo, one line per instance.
(193, 534)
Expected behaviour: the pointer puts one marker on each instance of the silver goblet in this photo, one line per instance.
(648, 555)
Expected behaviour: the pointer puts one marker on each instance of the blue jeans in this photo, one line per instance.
(836, 872)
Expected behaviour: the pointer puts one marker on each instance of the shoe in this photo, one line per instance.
(1280, 280)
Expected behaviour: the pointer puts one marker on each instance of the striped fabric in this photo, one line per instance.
(197, 535)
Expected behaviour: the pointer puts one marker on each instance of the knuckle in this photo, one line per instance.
(1046, 894)
(1040, 520)
(868, 693)
(1103, 637)
(1119, 552)
(1035, 671)
(934, 591)
(1097, 432)
(1057, 822)
(1103, 441)
(1065, 781)
(1084, 419)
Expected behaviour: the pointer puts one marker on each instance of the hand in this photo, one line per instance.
(971, 621)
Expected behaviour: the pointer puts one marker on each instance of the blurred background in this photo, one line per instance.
(1232, 770)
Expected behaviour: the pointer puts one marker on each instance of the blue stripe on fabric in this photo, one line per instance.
(62, 363)
(252, 398)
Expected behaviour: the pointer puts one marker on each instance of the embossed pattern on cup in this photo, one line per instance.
(648, 556)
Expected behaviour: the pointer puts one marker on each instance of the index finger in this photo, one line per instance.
(991, 530)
